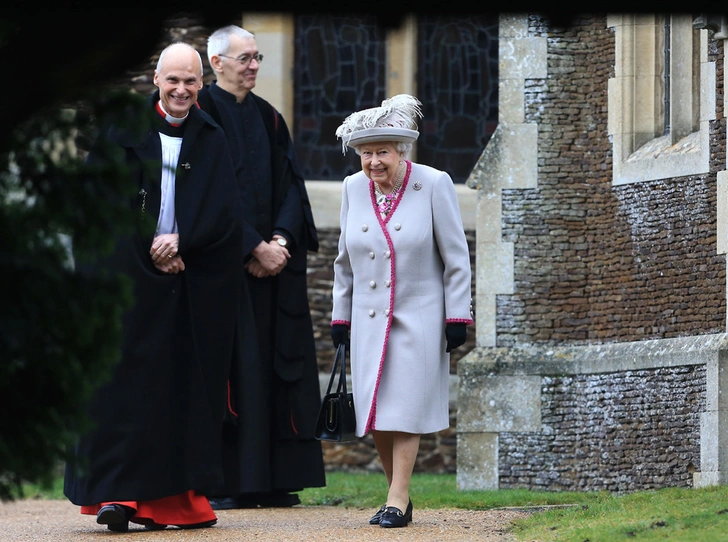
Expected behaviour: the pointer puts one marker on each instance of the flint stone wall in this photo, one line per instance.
(644, 434)
(570, 425)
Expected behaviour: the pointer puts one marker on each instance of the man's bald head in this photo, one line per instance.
(179, 78)
(179, 48)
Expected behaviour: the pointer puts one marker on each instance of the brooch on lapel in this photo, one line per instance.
(417, 185)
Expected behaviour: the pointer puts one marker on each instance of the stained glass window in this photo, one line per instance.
(457, 82)
(340, 68)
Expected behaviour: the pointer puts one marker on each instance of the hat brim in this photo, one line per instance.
(374, 135)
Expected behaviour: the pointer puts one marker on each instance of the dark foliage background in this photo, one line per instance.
(59, 328)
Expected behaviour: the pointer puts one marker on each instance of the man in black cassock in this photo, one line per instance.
(154, 450)
(270, 448)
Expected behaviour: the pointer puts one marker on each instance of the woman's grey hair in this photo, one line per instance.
(401, 146)
(219, 41)
(161, 56)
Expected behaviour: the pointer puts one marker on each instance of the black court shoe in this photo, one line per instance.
(376, 518)
(393, 516)
(115, 517)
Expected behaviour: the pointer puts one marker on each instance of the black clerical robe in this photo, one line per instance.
(158, 421)
(277, 392)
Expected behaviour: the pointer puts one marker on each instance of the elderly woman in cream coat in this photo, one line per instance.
(402, 287)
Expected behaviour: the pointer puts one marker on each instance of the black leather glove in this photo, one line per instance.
(340, 334)
(455, 333)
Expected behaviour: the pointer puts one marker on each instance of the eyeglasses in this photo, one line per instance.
(246, 59)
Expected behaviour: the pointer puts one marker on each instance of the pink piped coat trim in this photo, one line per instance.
(371, 420)
(459, 321)
(341, 322)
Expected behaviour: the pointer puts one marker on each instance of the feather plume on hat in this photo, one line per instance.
(394, 120)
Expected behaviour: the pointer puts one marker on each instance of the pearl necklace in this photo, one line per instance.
(386, 201)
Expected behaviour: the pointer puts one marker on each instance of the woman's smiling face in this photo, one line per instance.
(380, 162)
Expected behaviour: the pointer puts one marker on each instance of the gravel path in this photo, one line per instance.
(60, 521)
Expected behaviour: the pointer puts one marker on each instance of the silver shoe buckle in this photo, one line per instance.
(394, 510)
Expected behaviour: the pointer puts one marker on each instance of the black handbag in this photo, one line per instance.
(336, 420)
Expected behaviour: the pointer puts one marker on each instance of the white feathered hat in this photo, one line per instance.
(394, 120)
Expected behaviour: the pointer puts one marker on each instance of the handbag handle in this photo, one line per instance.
(340, 363)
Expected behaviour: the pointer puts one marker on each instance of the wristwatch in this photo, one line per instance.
(282, 241)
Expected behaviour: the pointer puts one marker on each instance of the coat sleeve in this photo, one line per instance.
(454, 251)
(343, 275)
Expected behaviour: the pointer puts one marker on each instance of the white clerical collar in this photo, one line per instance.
(169, 118)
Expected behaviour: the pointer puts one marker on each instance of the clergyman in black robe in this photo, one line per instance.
(154, 450)
(270, 450)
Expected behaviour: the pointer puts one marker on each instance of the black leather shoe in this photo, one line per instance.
(278, 499)
(393, 516)
(115, 517)
(226, 503)
(273, 499)
(376, 518)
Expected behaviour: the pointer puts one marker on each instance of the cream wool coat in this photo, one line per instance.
(397, 281)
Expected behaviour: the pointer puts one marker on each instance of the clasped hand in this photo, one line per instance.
(269, 259)
(164, 246)
(164, 253)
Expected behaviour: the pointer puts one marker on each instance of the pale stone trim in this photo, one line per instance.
(402, 62)
(402, 58)
(722, 213)
(477, 457)
(722, 196)
(502, 403)
(510, 160)
(274, 34)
